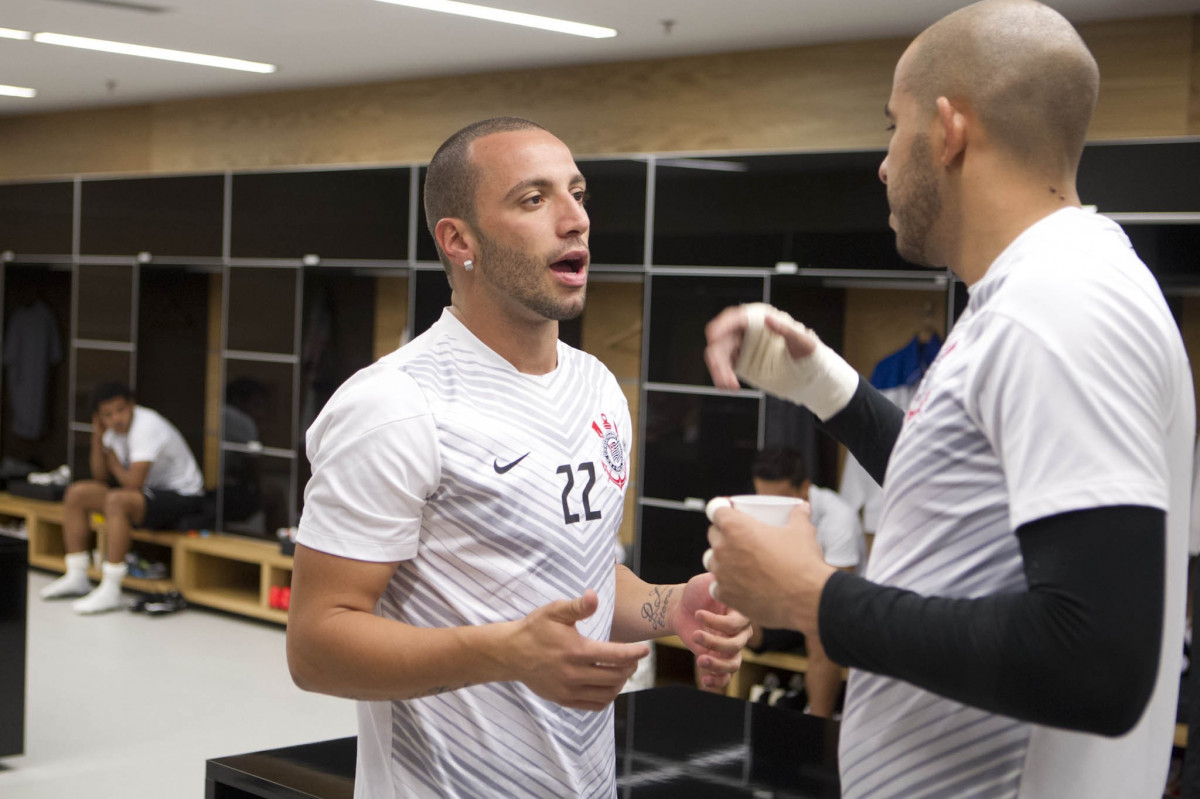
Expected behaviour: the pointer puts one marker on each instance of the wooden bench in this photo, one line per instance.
(226, 572)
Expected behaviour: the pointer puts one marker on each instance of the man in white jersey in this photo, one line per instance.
(1018, 633)
(454, 565)
(143, 475)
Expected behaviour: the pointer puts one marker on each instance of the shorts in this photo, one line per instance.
(165, 508)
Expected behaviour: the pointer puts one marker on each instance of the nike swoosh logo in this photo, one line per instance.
(502, 469)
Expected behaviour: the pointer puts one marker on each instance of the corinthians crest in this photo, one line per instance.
(613, 456)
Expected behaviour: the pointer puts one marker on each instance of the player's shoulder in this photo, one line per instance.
(1074, 273)
(829, 502)
(147, 421)
(375, 395)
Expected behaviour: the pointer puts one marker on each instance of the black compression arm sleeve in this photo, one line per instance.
(1079, 649)
(869, 426)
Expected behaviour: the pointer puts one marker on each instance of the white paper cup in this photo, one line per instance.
(766, 508)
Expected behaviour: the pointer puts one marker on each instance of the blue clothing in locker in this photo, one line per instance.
(906, 366)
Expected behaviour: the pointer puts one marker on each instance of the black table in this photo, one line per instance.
(14, 575)
(671, 742)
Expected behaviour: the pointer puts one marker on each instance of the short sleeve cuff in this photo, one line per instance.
(1085, 496)
(355, 547)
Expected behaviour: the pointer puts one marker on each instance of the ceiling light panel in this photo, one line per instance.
(17, 91)
(510, 17)
(143, 51)
(11, 33)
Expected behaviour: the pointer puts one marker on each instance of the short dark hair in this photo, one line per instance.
(451, 178)
(108, 390)
(780, 463)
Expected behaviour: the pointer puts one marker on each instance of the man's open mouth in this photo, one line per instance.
(573, 263)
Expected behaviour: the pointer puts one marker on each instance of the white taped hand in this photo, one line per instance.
(822, 381)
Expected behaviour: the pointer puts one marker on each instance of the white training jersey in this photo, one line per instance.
(498, 492)
(839, 532)
(151, 438)
(1064, 386)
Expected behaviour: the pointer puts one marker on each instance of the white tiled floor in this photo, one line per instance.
(126, 705)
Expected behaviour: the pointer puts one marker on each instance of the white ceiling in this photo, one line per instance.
(335, 42)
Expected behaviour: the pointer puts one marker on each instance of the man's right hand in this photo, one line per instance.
(97, 427)
(557, 663)
(768, 349)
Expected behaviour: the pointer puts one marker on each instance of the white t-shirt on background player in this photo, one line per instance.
(1065, 386)
(499, 492)
(838, 530)
(152, 438)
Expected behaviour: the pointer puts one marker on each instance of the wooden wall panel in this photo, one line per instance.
(812, 98)
(391, 313)
(1145, 68)
(77, 142)
(612, 331)
(612, 326)
(1194, 86)
(881, 321)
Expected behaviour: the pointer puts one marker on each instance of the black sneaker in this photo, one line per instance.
(139, 605)
(162, 604)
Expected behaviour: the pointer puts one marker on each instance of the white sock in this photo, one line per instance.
(74, 582)
(107, 595)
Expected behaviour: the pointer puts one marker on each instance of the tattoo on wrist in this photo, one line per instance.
(654, 610)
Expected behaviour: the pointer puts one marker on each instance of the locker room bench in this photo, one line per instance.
(227, 572)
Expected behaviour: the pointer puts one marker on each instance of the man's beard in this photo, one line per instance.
(917, 206)
(520, 277)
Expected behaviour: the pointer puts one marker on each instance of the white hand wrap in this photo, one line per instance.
(823, 381)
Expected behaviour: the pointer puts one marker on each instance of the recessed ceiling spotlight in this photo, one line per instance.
(510, 17)
(17, 91)
(143, 51)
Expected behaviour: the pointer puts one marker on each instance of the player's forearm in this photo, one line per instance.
(643, 611)
(358, 655)
(126, 478)
(113, 467)
(1079, 649)
(131, 482)
(98, 460)
(868, 426)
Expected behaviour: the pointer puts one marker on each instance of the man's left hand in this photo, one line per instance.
(712, 631)
(774, 575)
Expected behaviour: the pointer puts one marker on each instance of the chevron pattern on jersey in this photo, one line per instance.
(524, 514)
(945, 482)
